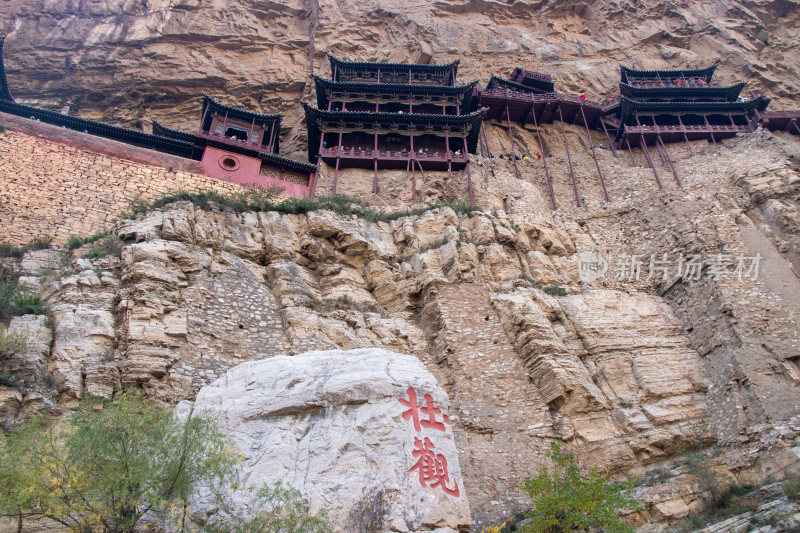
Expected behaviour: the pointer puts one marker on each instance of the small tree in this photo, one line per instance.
(565, 501)
(111, 464)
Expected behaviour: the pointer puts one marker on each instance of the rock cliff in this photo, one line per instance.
(632, 371)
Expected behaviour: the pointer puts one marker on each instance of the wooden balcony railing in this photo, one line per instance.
(234, 141)
(397, 155)
(690, 128)
(683, 83)
(548, 97)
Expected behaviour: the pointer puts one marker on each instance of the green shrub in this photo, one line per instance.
(556, 290)
(791, 488)
(259, 199)
(11, 343)
(27, 304)
(103, 470)
(108, 245)
(9, 250)
(565, 501)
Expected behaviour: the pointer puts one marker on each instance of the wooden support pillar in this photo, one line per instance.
(375, 177)
(379, 74)
(669, 160)
(608, 137)
(569, 158)
(409, 75)
(660, 151)
(334, 72)
(685, 137)
(203, 120)
(511, 137)
(336, 175)
(449, 157)
(421, 172)
(486, 140)
(469, 186)
(630, 151)
(594, 155)
(250, 133)
(794, 122)
(413, 179)
(643, 145)
(272, 138)
(705, 118)
(224, 123)
(544, 160)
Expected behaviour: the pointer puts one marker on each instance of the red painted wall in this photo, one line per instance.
(244, 170)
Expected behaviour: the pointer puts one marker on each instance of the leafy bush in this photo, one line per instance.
(11, 343)
(106, 469)
(371, 511)
(128, 466)
(556, 291)
(276, 509)
(791, 488)
(75, 242)
(259, 199)
(27, 304)
(107, 245)
(9, 250)
(564, 501)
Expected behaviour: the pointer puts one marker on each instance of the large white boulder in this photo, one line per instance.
(338, 425)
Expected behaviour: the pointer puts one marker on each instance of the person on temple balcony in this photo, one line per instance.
(324, 144)
(691, 81)
(582, 96)
(458, 152)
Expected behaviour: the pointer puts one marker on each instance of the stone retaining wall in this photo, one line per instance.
(55, 183)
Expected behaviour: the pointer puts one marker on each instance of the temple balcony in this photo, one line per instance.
(234, 142)
(394, 158)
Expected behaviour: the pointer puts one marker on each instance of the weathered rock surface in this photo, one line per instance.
(332, 424)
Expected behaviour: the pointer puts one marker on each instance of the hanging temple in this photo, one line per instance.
(418, 117)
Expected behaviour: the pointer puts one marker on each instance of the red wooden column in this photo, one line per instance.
(685, 137)
(224, 123)
(469, 186)
(569, 158)
(313, 190)
(594, 156)
(272, 137)
(375, 162)
(511, 137)
(336, 169)
(413, 181)
(705, 118)
(669, 160)
(630, 151)
(608, 137)
(250, 133)
(643, 145)
(544, 160)
(449, 158)
(486, 140)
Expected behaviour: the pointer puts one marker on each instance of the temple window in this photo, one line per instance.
(238, 133)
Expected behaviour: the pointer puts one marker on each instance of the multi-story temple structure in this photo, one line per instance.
(391, 115)
(530, 97)
(663, 106)
(231, 144)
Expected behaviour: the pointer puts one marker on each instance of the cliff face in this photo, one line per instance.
(629, 371)
(130, 61)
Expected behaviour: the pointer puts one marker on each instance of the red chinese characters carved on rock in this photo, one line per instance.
(432, 466)
(428, 409)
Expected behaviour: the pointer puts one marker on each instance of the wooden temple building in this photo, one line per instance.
(230, 144)
(664, 106)
(530, 98)
(416, 116)
(393, 116)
